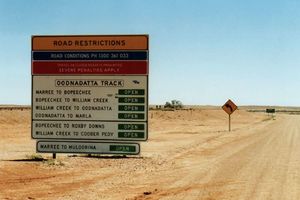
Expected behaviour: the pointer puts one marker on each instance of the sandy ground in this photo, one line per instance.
(189, 155)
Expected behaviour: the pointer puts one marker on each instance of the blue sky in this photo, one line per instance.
(201, 52)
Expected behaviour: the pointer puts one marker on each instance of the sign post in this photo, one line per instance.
(229, 123)
(90, 93)
(229, 107)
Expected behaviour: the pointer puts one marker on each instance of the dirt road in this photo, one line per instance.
(189, 155)
(258, 163)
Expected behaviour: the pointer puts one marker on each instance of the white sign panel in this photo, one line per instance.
(117, 98)
(82, 130)
(87, 147)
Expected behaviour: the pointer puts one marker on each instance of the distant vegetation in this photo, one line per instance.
(169, 106)
(174, 104)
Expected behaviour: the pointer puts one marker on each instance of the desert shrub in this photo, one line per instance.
(175, 104)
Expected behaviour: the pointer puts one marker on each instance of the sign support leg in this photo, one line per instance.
(229, 123)
(54, 155)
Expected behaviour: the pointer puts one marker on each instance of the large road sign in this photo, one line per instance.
(90, 88)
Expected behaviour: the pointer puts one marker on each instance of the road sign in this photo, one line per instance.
(270, 110)
(87, 147)
(229, 107)
(90, 88)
